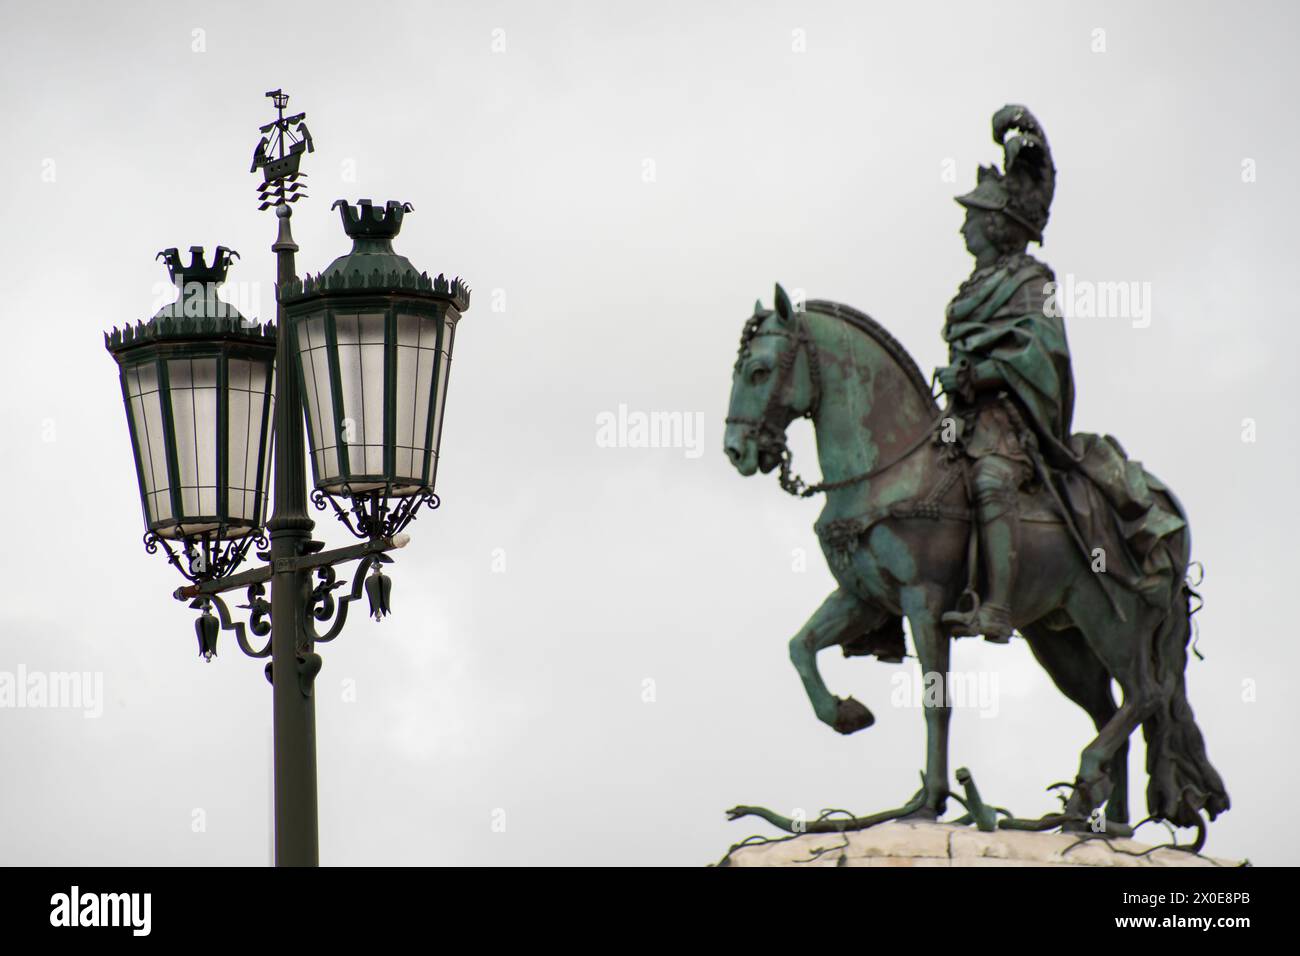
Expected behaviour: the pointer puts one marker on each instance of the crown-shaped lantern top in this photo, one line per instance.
(197, 283)
(367, 224)
(372, 265)
(198, 270)
(197, 312)
(371, 229)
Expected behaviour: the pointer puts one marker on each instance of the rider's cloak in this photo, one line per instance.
(1007, 316)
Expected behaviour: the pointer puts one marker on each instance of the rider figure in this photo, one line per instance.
(1008, 375)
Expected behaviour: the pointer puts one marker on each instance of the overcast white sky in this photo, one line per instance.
(518, 696)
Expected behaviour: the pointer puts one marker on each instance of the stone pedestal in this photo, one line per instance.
(907, 843)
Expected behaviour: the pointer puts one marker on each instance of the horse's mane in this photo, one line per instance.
(865, 323)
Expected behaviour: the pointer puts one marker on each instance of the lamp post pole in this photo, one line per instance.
(293, 663)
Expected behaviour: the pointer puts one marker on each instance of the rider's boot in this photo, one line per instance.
(997, 501)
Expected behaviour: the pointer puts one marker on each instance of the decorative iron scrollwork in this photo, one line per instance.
(322, 598)
(322, 605)
(208, 557)
(259, 620)
(376, 514)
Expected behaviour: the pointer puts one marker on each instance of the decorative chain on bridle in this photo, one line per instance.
(768, 430)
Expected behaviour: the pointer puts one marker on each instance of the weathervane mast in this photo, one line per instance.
(278, 154)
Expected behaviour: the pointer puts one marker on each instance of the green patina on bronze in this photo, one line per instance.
(984, 517)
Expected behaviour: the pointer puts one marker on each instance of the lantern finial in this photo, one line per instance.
(198, 270)
(197, 283)
(368, 225)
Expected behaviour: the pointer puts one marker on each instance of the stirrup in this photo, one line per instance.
(990, 620)
(964, 623)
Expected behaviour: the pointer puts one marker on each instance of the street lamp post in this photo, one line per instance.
(363, 350)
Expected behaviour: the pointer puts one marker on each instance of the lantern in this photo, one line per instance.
(372, 338)
(197, 382)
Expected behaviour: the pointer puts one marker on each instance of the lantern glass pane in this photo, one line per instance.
(317, 396)
(193, 388)
(247, 407)
(361, 384)
(268, 443)
(241, 428)
(440, 396)
(146, 412)
(417, 339)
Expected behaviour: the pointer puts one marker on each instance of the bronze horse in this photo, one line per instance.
(895, 532)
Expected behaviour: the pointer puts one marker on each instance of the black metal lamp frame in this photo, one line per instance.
(301, 574)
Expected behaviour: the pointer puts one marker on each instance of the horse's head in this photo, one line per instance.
(773, 383)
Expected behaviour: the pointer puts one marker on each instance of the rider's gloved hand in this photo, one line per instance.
(954, 378)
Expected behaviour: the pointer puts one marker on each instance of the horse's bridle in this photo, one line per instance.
(768, 431)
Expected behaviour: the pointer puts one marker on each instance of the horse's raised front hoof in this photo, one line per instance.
(852, 716)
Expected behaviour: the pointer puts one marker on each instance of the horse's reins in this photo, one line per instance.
(768, 432)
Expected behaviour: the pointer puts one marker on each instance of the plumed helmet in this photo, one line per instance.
(1023, 192)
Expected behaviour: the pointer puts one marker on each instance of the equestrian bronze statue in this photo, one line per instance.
(985, 517)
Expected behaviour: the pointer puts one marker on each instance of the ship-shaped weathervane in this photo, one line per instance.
(283, 142)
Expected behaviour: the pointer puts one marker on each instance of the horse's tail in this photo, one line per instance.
(1182, 782)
